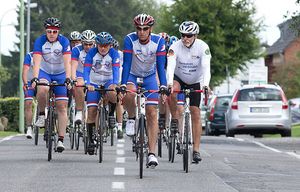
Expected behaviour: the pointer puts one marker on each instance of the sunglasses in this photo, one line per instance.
(104, 45)
(51, 31)
(142, 28)
(88, 44)
(186, 35)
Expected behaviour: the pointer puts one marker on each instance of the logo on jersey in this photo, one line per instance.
(163, 48)
(68, 48)
(117, 60)
(57, 52)
(207, 52)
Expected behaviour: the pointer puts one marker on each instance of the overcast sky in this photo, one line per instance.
(272, 12)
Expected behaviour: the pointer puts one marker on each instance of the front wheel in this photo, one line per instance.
(141, 143)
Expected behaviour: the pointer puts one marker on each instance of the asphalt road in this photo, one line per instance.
(229, 165)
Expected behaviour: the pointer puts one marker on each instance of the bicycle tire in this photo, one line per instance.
(77, 136)
(186, 143)
(36, 134)
(50, 131)
(101, 128)
(172, 146)
(141, 144)
(159, 143)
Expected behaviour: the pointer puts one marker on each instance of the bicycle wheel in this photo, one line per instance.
(186, 143)
(36, 134)
(111, 122)
(141, 143)
(50, 127)
(101, 128)
(72, 130)
(85, 139)
(172, 147)
(77, 135)
(159, 143)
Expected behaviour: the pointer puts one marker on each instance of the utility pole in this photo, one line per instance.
(21, 94)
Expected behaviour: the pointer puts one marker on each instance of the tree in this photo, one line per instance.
(225, 25)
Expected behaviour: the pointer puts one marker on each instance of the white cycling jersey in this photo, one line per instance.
(191, 65)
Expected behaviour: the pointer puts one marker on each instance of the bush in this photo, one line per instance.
(9, 107)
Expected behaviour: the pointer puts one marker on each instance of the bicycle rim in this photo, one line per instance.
(141, 144)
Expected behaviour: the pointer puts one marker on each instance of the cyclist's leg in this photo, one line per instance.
(92, 100)
(195, 99)
(41, 95)
(79, 97)
(61, 100)
(28, 94)
(130, 105)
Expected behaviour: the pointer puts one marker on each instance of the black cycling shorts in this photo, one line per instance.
(195, 98)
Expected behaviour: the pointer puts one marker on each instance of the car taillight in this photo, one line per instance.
(234, 104)
(285, 104)
(212, 111)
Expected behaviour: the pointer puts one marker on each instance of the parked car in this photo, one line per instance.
(215, 114)
(257, 110)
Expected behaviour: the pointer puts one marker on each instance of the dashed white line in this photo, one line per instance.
(119, 171)
(120, 145)
(121, 140)
(120, 152)
(120, 160)
(118, 185)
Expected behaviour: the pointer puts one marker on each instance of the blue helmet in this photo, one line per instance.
(172, 40)
(104, 38)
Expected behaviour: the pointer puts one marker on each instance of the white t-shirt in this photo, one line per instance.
(191, 65)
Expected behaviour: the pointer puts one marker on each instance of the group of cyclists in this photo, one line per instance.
(88, 60)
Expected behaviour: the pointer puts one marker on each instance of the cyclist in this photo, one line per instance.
(28, 92)
(52, 62)
(101, 67)
(79, 53)
(144, 54)
(74, 38)
(189, 67)
(119, 108)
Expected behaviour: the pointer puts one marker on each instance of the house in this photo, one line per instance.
(284, 50)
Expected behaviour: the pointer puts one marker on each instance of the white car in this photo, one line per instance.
(257, 110)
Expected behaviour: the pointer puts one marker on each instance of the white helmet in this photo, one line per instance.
(75, 36)
(189, 27)
(88, 36)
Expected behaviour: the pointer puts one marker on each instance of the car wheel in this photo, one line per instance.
(257, 135)
(229, 134)
(206, 128)
(286, 133)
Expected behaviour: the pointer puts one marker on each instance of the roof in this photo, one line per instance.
(250, 86)
(287, 35)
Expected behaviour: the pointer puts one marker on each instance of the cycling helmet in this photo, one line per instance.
(115, 44)
(103, 38)
(143, 19)
(52, 22)
(75, 36)
(173, 39)
(165, 36)
(88, 36)
(189, 27)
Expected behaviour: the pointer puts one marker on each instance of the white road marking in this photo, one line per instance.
(121, 140)
(266, 147)
(7, 138)
(120, 152)
(120, 145)
(293, 154)
(119, 171)
(240, 139)
(118, 185)
(120, 160)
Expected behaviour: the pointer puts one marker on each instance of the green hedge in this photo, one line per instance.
(9, 107)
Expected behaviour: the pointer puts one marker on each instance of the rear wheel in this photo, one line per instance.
(186, 143)
(100, 133)
(50, 126)
(77, 135)
(172, 148)
(36, 134)
(159, 142)
(286, 133)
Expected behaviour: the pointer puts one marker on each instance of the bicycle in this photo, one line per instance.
(51, 118)
(186, 140)
(35, 128)
(140, 139)
(104, 128)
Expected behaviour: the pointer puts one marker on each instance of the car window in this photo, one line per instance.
(260, 94)
(222, 103)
